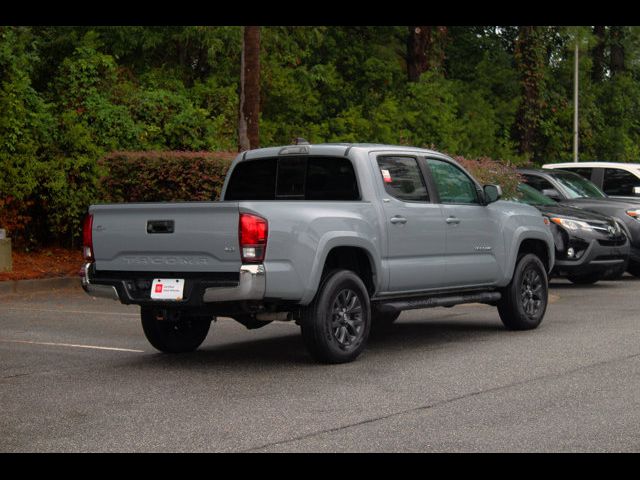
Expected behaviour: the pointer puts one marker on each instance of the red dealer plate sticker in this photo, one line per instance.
(167, 289)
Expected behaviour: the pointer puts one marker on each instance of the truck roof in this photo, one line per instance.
(332, 149)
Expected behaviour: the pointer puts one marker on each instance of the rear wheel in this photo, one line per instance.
(174, 331)
(335, 326)
(524, 300)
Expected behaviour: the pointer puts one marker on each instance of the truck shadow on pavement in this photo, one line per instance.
(289, 350)
(601, 285)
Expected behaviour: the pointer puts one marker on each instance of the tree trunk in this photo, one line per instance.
(617, 49)
(597, 72)
(249, 111)
(419, 43)
(529, 57)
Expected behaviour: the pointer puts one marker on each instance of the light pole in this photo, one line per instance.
(575, 106)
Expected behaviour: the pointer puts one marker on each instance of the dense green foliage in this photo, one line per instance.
(71, 95)
(163, 176)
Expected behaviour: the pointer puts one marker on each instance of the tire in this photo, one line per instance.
(588, 279)
(335, 327)
(634, 269)
(180, 334)
(382, 320)
(529, 284)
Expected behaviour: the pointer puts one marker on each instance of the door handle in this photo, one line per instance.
(453, 220)
(397, 219)
(160, 226)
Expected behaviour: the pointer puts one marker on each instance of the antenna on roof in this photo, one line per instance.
(300, 141)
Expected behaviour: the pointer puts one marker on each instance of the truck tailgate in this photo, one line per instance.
(166, 237)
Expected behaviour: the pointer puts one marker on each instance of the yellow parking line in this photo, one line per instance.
(95, 347)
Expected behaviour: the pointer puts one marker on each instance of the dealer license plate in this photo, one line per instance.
(167, 289)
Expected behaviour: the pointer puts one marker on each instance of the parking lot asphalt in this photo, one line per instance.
(77, 374)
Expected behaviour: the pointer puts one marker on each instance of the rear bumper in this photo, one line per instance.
(97, 290)
(249, 286)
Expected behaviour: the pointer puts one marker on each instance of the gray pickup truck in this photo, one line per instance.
(339, 238)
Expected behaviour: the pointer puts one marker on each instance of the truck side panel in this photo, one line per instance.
(301, 234)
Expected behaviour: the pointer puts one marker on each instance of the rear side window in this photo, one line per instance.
(582, 171)
(402, 179)
(538, 183)
(619, 182)
(294, 178)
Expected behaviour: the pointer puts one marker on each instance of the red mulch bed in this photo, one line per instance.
(45, 263)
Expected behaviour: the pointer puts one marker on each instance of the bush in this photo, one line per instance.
(163, 176)
(488, 171)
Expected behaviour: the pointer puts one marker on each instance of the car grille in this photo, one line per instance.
(613, 242)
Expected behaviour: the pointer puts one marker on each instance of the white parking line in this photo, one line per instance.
(95, 347)
(55, 310)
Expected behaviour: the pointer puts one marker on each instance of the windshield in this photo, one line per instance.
(577, 186)
(531, 196)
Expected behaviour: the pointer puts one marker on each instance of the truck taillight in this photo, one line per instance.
(253, 238)
(87, 238)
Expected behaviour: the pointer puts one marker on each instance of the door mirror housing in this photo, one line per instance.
(552, 193)
(492, 193)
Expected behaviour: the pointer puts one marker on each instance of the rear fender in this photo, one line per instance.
(340, 239)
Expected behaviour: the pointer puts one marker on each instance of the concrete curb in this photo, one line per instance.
(9, 287)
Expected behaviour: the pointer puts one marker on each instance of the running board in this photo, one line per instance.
(439, 301)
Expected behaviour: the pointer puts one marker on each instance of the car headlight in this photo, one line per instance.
(635, 213)
(571, 224)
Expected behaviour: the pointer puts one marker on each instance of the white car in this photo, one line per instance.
(618, 180)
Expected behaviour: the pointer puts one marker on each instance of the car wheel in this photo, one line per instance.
(524, 300)
(336, 325)
(174, 332)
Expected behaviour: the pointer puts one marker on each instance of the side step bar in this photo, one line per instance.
(439, 301)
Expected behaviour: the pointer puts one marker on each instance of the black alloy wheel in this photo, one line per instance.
(531, 290)
(347, 325)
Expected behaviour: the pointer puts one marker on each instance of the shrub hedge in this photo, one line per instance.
(155, 176)
(163, 176)
(488, 171)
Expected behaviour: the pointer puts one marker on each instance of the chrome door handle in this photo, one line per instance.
(452, 220)
(397, 219)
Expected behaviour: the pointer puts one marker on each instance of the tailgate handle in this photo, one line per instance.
(160, 226)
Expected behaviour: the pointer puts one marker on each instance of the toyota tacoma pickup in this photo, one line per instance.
(339, 238)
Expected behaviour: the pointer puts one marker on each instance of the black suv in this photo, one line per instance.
(589, 246)
(573, 190)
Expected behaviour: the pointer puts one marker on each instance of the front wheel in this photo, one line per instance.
(174, 332)
(524, 300)
(335, 326)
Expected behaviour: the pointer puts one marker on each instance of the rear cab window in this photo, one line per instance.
(294, 178)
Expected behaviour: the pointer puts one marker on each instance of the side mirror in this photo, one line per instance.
(636, 191)
(492, 193)
(552, 193)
